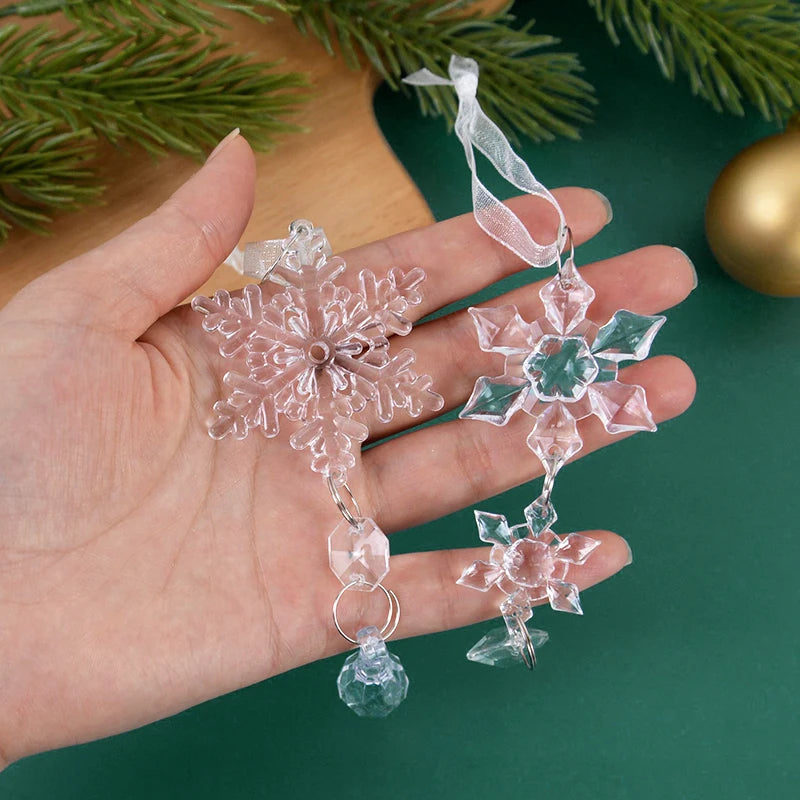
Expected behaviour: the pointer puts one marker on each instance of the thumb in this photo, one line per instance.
(127, 283)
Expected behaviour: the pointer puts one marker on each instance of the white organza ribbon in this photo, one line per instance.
(475, 130)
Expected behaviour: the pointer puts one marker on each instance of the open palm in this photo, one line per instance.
(145, 567)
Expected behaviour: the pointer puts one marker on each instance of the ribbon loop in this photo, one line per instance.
(476, 131)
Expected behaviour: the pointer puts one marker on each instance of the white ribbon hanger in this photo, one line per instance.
(475, 130)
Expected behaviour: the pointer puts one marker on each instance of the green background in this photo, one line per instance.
(681, 679)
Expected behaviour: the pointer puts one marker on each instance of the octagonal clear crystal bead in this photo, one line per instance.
(359, 553)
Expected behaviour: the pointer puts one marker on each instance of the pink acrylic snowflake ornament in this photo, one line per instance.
(315, 353)
(562, 367)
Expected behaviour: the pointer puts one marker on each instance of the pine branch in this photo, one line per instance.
(60, 92)
(42, 169)
(98, 15)
(524, 90)
(156, 89)
(730, 50)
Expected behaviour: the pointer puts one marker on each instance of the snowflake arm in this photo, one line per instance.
(388, 299)
(235, 318)
(627, 336)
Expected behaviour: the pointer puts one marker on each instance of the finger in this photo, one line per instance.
(481, 460)
(130, 281)
(646, 281)
(459, 259)
(432, 601)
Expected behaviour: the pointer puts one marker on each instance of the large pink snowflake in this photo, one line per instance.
(317, 353)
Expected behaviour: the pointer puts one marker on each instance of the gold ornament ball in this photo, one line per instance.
(753, 216)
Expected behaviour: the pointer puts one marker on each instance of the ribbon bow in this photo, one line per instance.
(475, 130)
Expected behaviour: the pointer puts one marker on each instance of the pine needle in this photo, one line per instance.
(99, 15)
(730, 50)
(538, 94)
(42, 168)
(162, 90)
(156, 89)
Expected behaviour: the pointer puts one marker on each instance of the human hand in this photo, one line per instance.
(145, 567)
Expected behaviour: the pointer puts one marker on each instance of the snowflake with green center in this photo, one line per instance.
(562, 368)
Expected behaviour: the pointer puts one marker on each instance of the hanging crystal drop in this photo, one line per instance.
(372, 681)
(499, 648)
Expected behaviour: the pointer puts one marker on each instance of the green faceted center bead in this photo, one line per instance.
(561, 368)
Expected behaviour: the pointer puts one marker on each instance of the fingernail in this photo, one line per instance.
(691, 264)
(630, 553)
(606, 205)
(223, 144)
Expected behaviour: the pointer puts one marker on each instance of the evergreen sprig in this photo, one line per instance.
(42, 168)
(152, 72)
(538, 94)
(730, 50)
(160, 89)
(93, 15)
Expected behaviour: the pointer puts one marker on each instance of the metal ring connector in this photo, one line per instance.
(392, 618)
(528, 651)
(547, 488)
(565, 283)
(352, 519)
(300, 227)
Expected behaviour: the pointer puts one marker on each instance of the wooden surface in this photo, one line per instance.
(341, 174)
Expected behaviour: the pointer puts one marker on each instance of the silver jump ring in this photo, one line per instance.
(528, 652)
(392, 618)
(547, 488)
(352, 519)
(569, 241)
(298, 228)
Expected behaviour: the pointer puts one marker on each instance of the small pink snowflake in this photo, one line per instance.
(527, 563)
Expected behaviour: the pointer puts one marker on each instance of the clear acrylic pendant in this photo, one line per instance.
(562, 367)
(559, 369)
(372, 681)
(529, 563)
(503, 648)
(316, 354)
